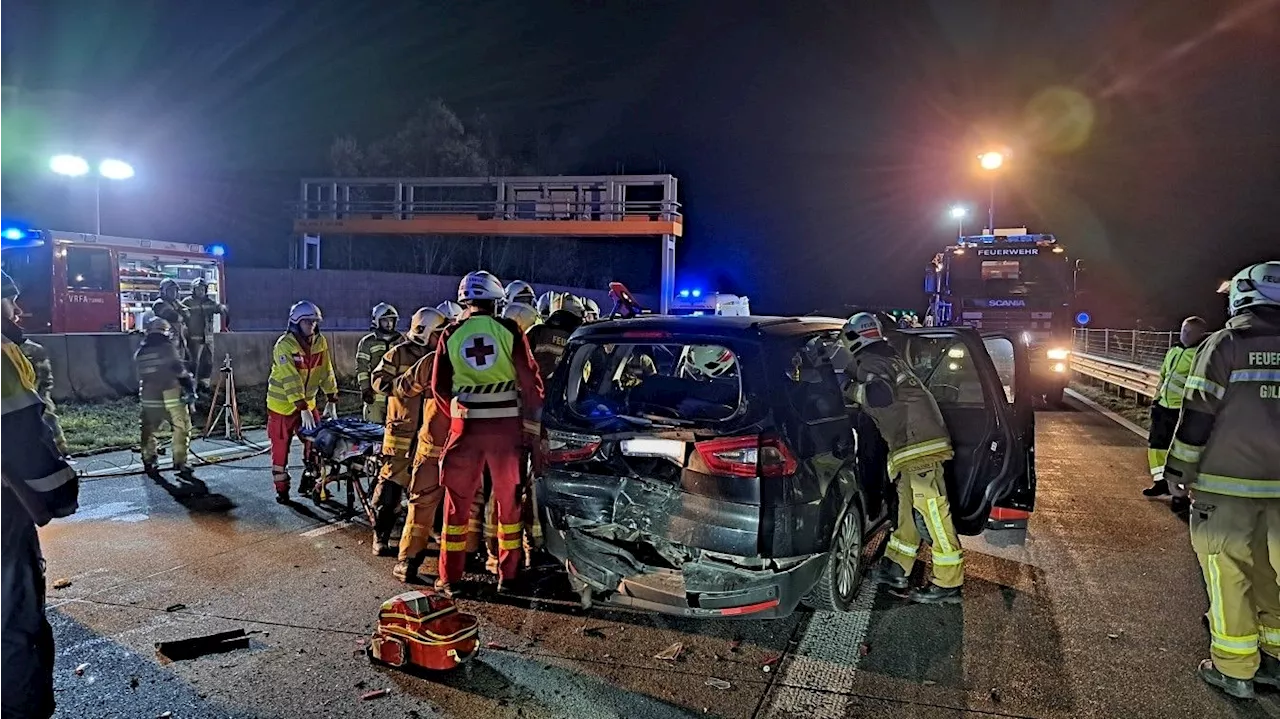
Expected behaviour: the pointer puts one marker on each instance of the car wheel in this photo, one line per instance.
(838, 584)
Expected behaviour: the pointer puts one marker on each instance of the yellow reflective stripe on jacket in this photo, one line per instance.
(941, 445)
(1206, 385)
(1238, 486)
(1185, 452)
(287, 384)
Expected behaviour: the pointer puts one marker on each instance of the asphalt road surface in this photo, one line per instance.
(1094, 611)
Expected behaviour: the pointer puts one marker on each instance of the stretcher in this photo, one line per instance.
(346, 452)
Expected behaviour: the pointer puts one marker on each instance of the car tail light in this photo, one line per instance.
(569, 446)
(749, 456)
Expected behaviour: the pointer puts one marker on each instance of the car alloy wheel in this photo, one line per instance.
(848, 559)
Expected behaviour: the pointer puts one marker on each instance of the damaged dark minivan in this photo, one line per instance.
(708, 466)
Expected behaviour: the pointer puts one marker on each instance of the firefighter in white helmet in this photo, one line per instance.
(525, 316)
(883, 386)
(590, 310)
(485, 376)
(451, 310)
(301, 367)
(519, 291)
(382, 334)
(543, 304)
(404, 414)
(1226, 455)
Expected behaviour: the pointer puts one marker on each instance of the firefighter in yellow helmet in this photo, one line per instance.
(1164, 411)
(404, 413)
(1226, 454)
(882, 384)
(382, 334)
(301, 366)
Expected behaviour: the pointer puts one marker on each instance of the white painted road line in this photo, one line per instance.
(325, 529)
(818, 678)
(1107, 413)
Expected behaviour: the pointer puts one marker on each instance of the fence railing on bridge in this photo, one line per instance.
(1138, 347)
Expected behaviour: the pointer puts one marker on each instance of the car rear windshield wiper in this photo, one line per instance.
(650, 420)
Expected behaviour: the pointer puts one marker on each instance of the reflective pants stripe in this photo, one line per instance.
(1155, 462)
(462, 465)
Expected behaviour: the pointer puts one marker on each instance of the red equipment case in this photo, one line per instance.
(424, 629)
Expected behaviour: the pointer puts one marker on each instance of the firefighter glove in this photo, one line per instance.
(331, 408)
(367, 396)
(308, 420)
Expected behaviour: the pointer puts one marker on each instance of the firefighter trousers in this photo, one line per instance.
(1237, 541)
(925, 515)
(155, 412)
(425, 497)
(201, 363)
(392, 479)
(54, 424)
(1163, 423)
(26, 674)
(528, 510)
(462, 463)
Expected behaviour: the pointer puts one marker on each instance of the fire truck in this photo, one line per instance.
(1010, 280)
(698, 303)
(73, 282)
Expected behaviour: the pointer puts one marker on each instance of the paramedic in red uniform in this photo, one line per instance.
(487, 382)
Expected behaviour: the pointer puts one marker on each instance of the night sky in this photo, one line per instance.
(818, 144)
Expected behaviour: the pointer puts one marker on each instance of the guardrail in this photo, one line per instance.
(1137, 347)
(1126, 375)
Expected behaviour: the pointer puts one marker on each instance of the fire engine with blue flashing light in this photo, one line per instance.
(1010, 280)
(75, 282)
(696, 303)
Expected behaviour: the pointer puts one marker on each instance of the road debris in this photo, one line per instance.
(495, 645)
(864, 649)
(1113, 636)
(671, 653)
(165, 715)
(133, 682)
(718, 683)
(175, 607)
(374, 694)
(193, 647)
(80, 669)
(62, 583)
(929, 682)
(733, 645)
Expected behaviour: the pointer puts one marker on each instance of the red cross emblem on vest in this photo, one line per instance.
(479, 351)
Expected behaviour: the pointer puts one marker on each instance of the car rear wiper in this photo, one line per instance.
(651, 420)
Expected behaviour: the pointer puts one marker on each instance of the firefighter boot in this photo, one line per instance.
(186, 473)
(890, 573)
(1269, 671)
(933, 594)
(1158, 488)
(281, 480)
(407, 570)
(1238, 688)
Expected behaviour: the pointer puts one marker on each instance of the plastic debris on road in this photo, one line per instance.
(374, 694)
(671, 653)
(718, 683)
(175, 607)
(80, 669)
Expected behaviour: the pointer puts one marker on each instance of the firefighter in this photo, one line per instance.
(451, 310)
(907, 416)
(1164, 411)
(404, 413)
(1226, 456)
(38, 486)
(549, 339)
(519, 292)
(170, 309)
(590, 310)
(369, 352)
(525, 316)
(39, 358)
(201, 309)
(485, 378)
(412, 387)
(300, 367)
(543, 305)
(167, 392)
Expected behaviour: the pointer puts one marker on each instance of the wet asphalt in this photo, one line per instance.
(1093, 611)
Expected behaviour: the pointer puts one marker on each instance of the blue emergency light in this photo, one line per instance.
(1083, 318)
(684, 294)
(217, 250)
(697, 293)
(13, 234)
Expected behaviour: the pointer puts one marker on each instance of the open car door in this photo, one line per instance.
(987, 407)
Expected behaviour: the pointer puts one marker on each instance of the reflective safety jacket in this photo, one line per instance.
(369, 353)
(39, 357)
(34, 473)
(433, 424)
(1173, 375)
(298, 371)
(160, 370)
(484, 370)
(404, 411)
(1228, 438)
(548, 340)
(907, 415)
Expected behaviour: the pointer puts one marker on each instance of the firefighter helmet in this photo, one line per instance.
(1254, 286)
(522, 314)
(159, 326)
(451, 310)
(304, 310)
(383, 311)
(590, 310)
(565, 302)
(169, 288)
(200, 283)
(478, 286)
(425, 321)
(521, 292)
(862, 330)
(707, 361)
(544, 303)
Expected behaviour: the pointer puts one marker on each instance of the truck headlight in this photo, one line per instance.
(1058, 353)
(1059, 367)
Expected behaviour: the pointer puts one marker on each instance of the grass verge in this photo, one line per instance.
(1137, 411)
(113, 423)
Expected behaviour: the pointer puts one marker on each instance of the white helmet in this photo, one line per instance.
(520, 291)
(480, 285)
(523, 315)
(590, 310)
(451, 310)
(304, 310)
(159, 326)
(563, 301)
(425, 321)
(544, 303)
(1254, 286)
(707, 361)
(383, 311)
(862, 330)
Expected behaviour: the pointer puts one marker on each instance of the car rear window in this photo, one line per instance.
(695, 383)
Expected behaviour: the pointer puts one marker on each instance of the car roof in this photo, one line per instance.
(712, 325)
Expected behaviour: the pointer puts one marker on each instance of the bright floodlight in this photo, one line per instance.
(958, 212)
(69, 165)
(115, 169)
(991, 160)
